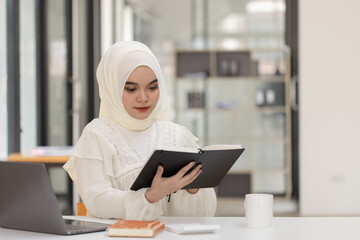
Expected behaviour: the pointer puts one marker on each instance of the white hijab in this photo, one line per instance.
(112, 73)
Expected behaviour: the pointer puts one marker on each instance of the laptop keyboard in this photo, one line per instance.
(82, 226)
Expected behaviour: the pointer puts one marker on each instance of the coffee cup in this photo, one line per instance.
(258, 210)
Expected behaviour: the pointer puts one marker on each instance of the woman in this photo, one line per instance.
(112, 149)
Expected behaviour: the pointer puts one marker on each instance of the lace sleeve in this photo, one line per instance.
(90, 146)
(90, 166)
(102, 200)
(201, 204)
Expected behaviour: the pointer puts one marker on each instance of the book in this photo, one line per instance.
(133, 228)
(216, 161)
(188, 228)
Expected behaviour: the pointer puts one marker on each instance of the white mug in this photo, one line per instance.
(258, 210)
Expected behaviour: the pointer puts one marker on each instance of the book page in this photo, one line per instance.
(178, 149)
(222, 147)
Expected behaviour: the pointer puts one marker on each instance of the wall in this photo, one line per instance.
(329, 107)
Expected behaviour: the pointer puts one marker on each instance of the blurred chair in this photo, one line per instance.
(80, 209)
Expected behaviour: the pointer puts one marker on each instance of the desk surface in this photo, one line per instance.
(295, 228)
(18, 157)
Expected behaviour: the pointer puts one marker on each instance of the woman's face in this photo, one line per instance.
(141, 93)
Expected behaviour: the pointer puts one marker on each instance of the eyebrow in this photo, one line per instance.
(133, 83)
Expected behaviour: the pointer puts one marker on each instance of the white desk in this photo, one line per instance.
(295, 228)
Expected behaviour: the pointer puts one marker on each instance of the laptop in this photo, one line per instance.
(28, 202)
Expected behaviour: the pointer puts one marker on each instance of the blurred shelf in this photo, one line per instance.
(240, 97)
(230, 79)
(268, 110)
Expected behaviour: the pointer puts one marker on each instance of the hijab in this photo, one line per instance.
(112, 73)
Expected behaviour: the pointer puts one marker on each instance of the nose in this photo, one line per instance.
(142, 97)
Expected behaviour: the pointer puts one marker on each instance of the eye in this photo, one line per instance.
(154, 87)
(130, 89)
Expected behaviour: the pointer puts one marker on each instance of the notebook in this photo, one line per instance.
(216, 161)
(28, 202)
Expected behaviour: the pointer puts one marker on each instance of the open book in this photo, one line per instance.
(216, 161)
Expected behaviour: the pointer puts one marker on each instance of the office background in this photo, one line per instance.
(49, 57)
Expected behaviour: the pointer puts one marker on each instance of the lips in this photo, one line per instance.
(142, 109)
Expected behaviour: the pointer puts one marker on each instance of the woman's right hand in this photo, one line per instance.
(160, 186)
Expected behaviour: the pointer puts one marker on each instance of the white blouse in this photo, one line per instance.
(107, 159)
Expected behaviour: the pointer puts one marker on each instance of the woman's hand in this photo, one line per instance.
(160, 187)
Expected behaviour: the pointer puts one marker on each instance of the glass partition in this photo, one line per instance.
(57, 62)
(3, 79)
(226, 65)
(28, 75)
